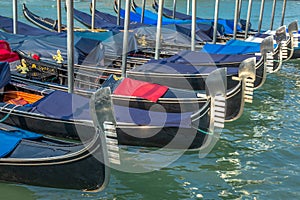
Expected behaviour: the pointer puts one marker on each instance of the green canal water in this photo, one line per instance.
(257, 156)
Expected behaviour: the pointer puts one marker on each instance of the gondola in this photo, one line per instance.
(162, 135)
(204, 31)
(178, 15)
(227, 25)
(55, 115)
(39, 109)
(34, 159)
(49, 24)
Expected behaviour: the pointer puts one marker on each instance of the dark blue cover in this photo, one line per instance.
(228, 24)
(134, 22)
(4, 74)
(47, 45)
(199, 58)
(179, 15)
(63, 105)
(163, 67)
(10, 139)
(86, 19)
(144, 117)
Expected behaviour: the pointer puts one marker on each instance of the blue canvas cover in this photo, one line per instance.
(227, 24)
(47, 45)
(10, 139)
(142, 117)
(112, 40)
(4, 74)
(245, 43)
(63, 105)
(134, 19)
(198, 58)
(86, 19)
(230, 49)
(163, 67)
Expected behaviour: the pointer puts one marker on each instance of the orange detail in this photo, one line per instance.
(16, 97)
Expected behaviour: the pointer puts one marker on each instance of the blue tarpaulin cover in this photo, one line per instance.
(63, 105)
(230, 49)
(10, 139)
(67, 106)
(227, 24)
(4, 74)
(164, 67)
(152, 118)
(198, 58)
(86, 51)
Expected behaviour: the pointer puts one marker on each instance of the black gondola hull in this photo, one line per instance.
(81, 168)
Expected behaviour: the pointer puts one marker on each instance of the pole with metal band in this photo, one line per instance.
(261, 15)
(174, 8)
(283, 12)
(58, 7)
(273, 14)
(248, 18)
(15, 16)
(158, 29)
(119, 13)
(235, 18)
(125, 38)
(70, 44)
(240, 9)
(217, 3)
(93, 14)
(143, 11)
(193, 33)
